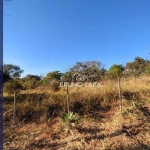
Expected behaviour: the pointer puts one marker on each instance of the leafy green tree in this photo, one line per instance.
(129, 69)
(115, 71)
(55, 75)
(6, 78)
(139, 65)
(90, 69)
(13, 71)
(103, 73)
(11, 86)
(136, 67)
(67, 76)
(36, 77)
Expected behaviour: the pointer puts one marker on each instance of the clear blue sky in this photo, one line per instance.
(47, 35)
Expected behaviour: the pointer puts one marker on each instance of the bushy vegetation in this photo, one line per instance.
(12, 86)
(54, 85)
(99, 123)
(94, 121)
(115, 71)
(92, 71)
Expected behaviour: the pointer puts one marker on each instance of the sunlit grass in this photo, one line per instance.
(97, 128)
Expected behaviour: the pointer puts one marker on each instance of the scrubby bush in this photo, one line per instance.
(11, 86)
(54, 85)
(30, 81)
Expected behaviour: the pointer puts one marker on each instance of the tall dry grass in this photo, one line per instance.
(46, 103)
(101, 125)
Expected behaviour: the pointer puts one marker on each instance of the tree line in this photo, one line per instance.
(94, 71)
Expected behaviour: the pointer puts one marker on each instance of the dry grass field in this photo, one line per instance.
(99, 123)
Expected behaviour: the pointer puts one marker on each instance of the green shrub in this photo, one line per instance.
(11, 86)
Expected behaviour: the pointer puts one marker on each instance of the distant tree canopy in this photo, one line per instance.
(115, 71)
(67, 76)
(11, 71)
(36, 77)
(90, 71)
(55, 75)
(93, 70)
(11, 74)
(88, 67)
(138, 66)
(103, 72)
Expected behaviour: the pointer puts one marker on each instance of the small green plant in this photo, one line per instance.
(69, 117)
(136, 104)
